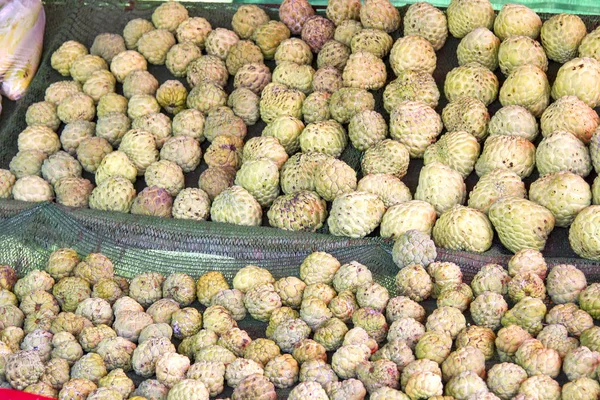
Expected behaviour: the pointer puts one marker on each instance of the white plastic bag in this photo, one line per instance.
(22, 24)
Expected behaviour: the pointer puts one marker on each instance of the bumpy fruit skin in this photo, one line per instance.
(333, 178)
(206, 96)
(590, 45)
(562, 151)
(517, 51)
(244, 103)
(414, 214)
(463, 228)
(172, 96)
(60, 165)
(480, 45)
(413, 247)
(253, 76)
(464, 16)
(287, 130)
(561, 35)
(422, 19)
(64, 57)
(368, 211)
(467, 114)
(247, 18)
(127, 62)
(346, 30)
(584, 236)
(511, 152)
(412, 53)
(364, 70)
(513, 120)
(372, 40)
(279, 100)
(568, 113)
(254, 386)
(459, 150)
(380, 14)
(268, 36)
(508, 341)
(28, 162)
(260, 178)
(241, 53)
(333, 54)
(579, 77)
(411, 86)
(580, 388)
(473, 80)
(316, 31)
(440, 186)
(180, 56)
(517, 20)
(264, 147)
(294, 50)
(390, 189)
(416, 125)
(298, 211)
(528, 87)
(514, 218)
(424, 385)
(32, 188)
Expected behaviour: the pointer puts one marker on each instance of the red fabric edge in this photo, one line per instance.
(8, 394)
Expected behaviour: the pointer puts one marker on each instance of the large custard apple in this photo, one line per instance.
(192, 203)
(247, 18)
(413, 53)
(264, 147)
(349, 101)
(517, 51)
(206, 96)
(268, 36)
(416, 125)
(294, 50)
(339, 11)
(346, 30)
(459, 150)
(366, 129)
(390, 189)
(260, 177)
(464, 229)
(473, 80)
(219, 41)
(517, 20)
(511, 152)
(367, 211)
(386, 157)
(561, 35)
(441, 186)
(236, 206)
(466, 15)
(562, 151)
(413, 86)
(564, 193)
(279, 100)
(481, 46)
(299, 211)
(32, 188)
(333, 178)
(584, 235)
(467, 114)
(380, 14)
(295, 76)
(372, 40)
(411, 215)
(521, 223)
(579, 77)
(526, 86)
(568, 113)
(254, 76)
(423, 19)
(114, 194)
(497, 183)
(298, 172)
(327, 137)
(513, 121)
(333, 54)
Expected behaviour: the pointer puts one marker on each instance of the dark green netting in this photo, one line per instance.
(30, 232)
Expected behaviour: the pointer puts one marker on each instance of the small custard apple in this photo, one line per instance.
(207, 69)
(562, 151)
(466, 15)
(83, 67)
(497, 183)
(473, 80)
(526, 86)
(116, 164)
(142, 104)
(441, 186)
(294, 50)
(513, 121)
(366, 129)
(99, 84)
(510, 152)
(253, 76)
(561, 35)
(464, 229)
(326, 137)
(380, 14)
(298, 172)
(134, 30)
(413, 247)
(153, 201)
(294, 76)
(416, 125)
(517, 20)
(467, 114)
(43, 113)
(514, 218)
(111, 102)
(127, 62)
(568, 113)
(219, 41)
(268, 37)
(298, 211)
(367, 208)
(339, 11)
(241, 53)
(590, 45)
(32, 188)
(247, 18)
(60, 165)
(165, 174)
(264, 147)
(172, 96)
(413, 86)
(169, 15)
(114, 194)
(564, 193)
(386, 157)
(189, 123)
(58, 91)
(333, 178)
(333, 54)
(349, 101)
(27, 162)
(206, 96)
(480, 45)
(78, 106)
(224, 151)
(182, 150)
(158, 124)
(180, 56)
(372, 40)
(73, 192)
(63, 58)
(412, 53)
(316, 31)
(365, 70)
(579, 77)
(260, 177)
(91, 151)
(584, 236)
(327, 79)
(287, 130)
(244, 104)
(236, 206)
(294, 13)
(517, 51)
(7, 181)
(423, 19)
(112, 127)
(459, 150)
(222, 121)
(346, 30)
(278, 100)
(193, 30)
(390, 189)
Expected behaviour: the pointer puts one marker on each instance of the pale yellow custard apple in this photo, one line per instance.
(411, 215)
(562, 151)
(568, 113)
(510, 152)
(459, 150)
(368, 211)
(423, 19)
(517, 20)
(466, 15)
(561, 35)
(236, 206)
(441, 186)
(380, 14)
(412, 53)
(584, 236)
(526, 86)
(517, 51)
(372, 40)
(390, 189)
(463, 228)
(365, 70)
(513, 121)
(411, 86)
(497, 183)
(579, 77)
(416, 125)
(114, 194)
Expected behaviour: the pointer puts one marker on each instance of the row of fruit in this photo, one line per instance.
(77, 331)
(293, 172)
